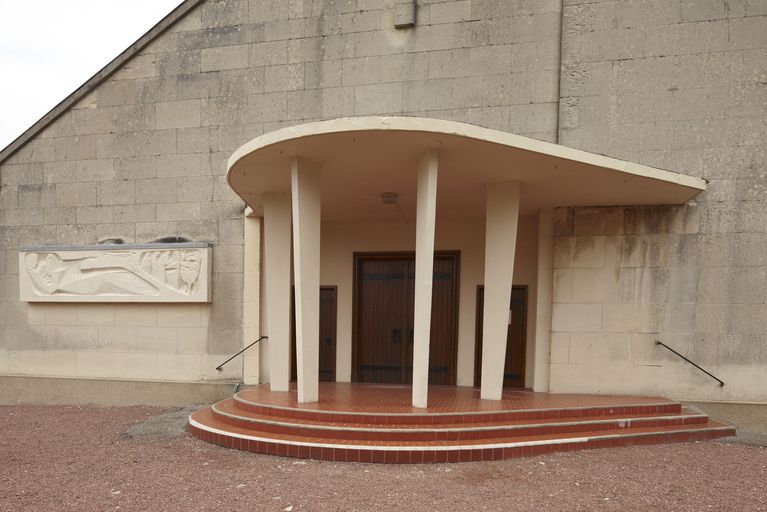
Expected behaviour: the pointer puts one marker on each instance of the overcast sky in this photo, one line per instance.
(49, 48)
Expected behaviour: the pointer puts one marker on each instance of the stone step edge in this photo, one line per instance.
(237, 399)
(621, 422)
(725, 430)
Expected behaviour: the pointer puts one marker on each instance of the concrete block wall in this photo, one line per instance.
(678, 85)
(675, 84)
(143, 155)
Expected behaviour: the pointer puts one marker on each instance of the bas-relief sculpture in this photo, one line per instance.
(130, 274)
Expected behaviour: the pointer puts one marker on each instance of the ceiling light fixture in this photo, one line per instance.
(390, 197)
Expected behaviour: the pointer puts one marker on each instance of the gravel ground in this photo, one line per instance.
(137, 458)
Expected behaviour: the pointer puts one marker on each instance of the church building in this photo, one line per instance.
(453, 200)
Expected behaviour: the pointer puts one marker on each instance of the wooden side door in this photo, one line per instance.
(328, 319)
(516, 338)
(328, 310)
(443, 345)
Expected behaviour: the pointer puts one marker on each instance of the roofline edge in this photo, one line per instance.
(413, 123)
(115, 64)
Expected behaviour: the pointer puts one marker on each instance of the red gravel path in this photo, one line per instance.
(68, 458)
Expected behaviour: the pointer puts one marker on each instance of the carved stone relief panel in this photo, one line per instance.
(116, 273)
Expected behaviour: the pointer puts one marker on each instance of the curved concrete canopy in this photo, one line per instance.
(363, 157)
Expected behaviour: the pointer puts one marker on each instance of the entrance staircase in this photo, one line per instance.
(247, 422)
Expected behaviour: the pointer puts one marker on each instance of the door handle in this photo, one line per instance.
(396, 336)
(328, 340)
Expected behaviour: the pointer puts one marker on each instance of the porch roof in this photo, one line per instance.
(363, 157)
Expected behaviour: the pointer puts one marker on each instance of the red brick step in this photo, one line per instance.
(333, 416)
(228, 412)
(377, 423)
(205, 426)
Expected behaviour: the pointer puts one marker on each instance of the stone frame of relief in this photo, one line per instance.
(153, 272)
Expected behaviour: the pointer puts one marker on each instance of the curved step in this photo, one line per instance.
(228, 412)
(436, 418)
(204, 425)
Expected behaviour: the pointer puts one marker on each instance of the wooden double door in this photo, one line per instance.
(384, 290)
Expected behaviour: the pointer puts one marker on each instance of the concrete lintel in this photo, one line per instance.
(114, 247)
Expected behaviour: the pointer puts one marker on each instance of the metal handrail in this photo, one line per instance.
(720, 381)
(221, 366)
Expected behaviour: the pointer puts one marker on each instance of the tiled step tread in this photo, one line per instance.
(450, 454)
(334, 417)
(205, 417)
(361, 398)
(228, 406)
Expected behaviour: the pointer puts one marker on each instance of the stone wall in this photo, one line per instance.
(143, 156)
(674, 84)
(677, 85)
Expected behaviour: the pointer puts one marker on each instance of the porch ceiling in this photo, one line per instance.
(363, 157)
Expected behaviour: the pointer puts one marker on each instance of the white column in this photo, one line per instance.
(424, 273)
(251, 302)
(277, 280)
(306, 276)
(544, 301)
(500, 243)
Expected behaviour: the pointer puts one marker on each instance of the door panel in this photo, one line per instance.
(328, 334)
(444, 311)
(384, 301)
(516, 338)
(514, 369)
(327, 362)
(382, 320)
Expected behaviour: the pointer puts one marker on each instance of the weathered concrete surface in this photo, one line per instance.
(100, 392)
(750, 419)
(163, 427)
(142, 155)
(680, 86)
(676, 85)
